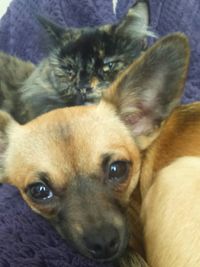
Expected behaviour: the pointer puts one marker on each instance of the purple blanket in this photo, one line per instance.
(26, 238)
(181, 15)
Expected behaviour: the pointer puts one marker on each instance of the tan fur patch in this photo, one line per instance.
(171, 215)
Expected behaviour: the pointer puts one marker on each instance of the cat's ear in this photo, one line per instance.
(134, 25)
(6, 124)
(58, 34)
(149, 89)
(54, 31)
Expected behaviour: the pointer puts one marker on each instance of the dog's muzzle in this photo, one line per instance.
(92, 220)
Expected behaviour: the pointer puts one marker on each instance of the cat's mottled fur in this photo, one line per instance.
(81, 64)
(13, 73)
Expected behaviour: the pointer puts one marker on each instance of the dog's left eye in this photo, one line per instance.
(118, 171)
(40, 191)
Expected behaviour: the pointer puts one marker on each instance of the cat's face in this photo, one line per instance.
(85, 61)
(85, 67)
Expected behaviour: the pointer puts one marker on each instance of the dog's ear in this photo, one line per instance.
(149, 89)
(134, 25)
(6, 123)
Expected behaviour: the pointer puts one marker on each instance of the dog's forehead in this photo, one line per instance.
(80, 123)
(70, 140)
(75, 132)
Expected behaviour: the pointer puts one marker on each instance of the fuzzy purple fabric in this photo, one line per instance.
(26, 238)
(184, 16)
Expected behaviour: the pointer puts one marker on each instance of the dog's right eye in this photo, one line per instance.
(40, 191)
(118, 171)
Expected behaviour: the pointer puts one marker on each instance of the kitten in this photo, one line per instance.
(82, 63)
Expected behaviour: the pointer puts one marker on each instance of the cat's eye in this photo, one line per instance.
(39, 191)
(69, 71)
(118, 171)
(112, 66)
(109, 66)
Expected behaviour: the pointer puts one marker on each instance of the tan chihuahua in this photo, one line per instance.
(79, 167)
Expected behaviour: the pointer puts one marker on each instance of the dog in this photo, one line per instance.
(80, 167)
(81, 64)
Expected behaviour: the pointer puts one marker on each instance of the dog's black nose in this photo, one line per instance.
(103, 243)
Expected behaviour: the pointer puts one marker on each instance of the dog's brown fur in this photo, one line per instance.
(180, 132)
(170, 190)
(90, 157)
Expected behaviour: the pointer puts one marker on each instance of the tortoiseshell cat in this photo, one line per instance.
(81, 64)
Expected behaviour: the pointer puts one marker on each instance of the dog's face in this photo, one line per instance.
(79, 184)
(78, 166)
(85, 61)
